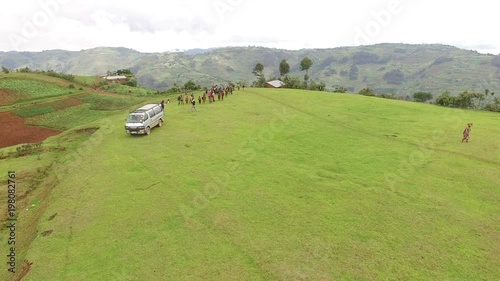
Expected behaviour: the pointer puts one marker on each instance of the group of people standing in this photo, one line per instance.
(210, 94)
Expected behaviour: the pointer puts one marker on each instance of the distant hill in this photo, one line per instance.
(387, 68)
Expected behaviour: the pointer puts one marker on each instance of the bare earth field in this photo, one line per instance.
(14, 131)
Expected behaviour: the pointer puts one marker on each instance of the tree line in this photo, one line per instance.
(291, 82)
(465, 100)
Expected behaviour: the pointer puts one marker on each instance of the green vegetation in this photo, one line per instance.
(107, 103)
(33, 111)
(32, 89)
(267, 185)
(423, 68)
(258, 72)
(469, 100)
(340, 89)
(422, 96)
(284, 68)
(130, 91)
(68, 118)
(354, 72)
(366, 92)
(93, 107)
(85, 80)
(305, 65)
(395, 77)
(65, 76)
(293, 82)
(190, 85)
(48, 103)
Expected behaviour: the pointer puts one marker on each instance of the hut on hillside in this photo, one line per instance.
(274, 84)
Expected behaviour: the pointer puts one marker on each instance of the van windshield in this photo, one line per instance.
(135, 118)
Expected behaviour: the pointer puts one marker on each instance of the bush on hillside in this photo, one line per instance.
(367, 92)
(340, 89)
(395, 77)
(445, 99)
(422, 96)
(364, 57)
(441, 60)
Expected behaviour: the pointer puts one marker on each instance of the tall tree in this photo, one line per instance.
(284, 68)
(258, 71)
(305, 64)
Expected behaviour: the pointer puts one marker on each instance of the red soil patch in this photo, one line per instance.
(13, 131)
(64, 103)
(8, 97)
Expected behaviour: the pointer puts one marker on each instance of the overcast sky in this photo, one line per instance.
(158, 26)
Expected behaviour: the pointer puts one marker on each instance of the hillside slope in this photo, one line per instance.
(272, 185)
(406, 68)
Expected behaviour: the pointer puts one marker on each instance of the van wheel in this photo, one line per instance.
(160, 123)
(148, 130)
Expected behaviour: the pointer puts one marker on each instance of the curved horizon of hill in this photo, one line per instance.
(402, 69)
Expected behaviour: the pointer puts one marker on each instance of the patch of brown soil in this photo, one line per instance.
(25, 269)
(47, 232)
(8, 97)
(64, 103)
(52, 217)
(13, 131)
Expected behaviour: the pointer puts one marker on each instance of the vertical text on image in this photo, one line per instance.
(11, 225)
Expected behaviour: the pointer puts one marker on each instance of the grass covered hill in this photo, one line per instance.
(268, 185)
(387, 68)
(56, 103)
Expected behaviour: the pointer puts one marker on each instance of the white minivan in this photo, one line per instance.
(143, 119)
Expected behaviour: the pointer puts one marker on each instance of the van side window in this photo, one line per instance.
(157, 109)
(151, 113)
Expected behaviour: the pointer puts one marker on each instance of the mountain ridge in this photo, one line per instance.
(396, 68)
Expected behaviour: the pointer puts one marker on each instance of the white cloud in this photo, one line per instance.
(149, 25)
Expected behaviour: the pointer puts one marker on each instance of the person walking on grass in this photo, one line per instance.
(466, 133)
(193, 102)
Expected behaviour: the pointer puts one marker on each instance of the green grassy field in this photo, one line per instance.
(32, 89)
(270, 185)
(94, 107)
